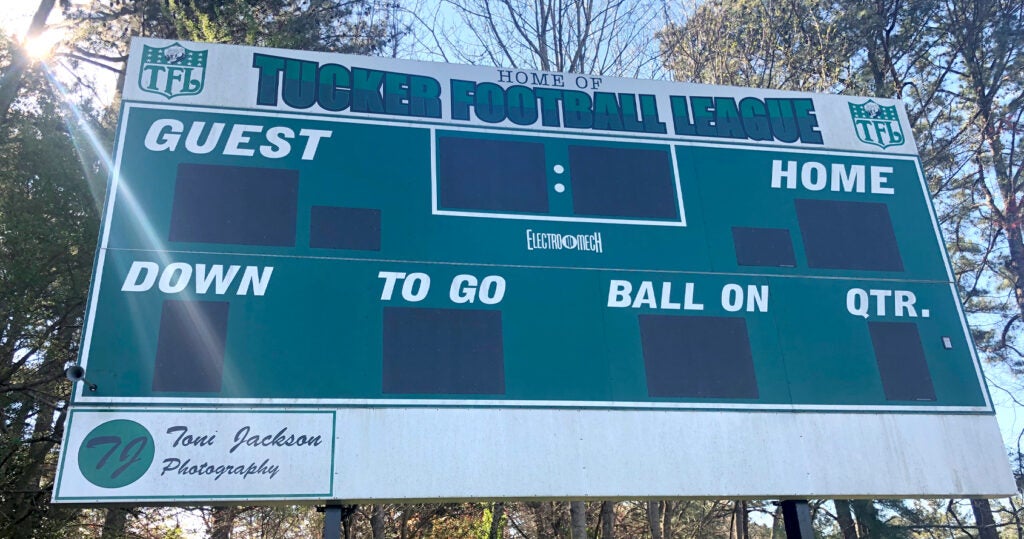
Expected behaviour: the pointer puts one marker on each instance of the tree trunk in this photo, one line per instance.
(845, 519)
(868, 523)
(983, 518)
(578, 519)
(114, 524)
(497, 513)
(403, 528)
(545, 521)
(223, 522)
(377, 521)
(12, 77)
(348, 517)
(740, 518)
(607, 520)
(540, 522)
(1015, 242)
(778, 529)
(30, 504)
(654, 519)
(666, 520)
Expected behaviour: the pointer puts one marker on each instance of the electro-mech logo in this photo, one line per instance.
(172, 71)
(559, 242)
(876, 124)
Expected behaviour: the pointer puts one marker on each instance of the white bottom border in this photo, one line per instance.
(433, 454)
(485, 453)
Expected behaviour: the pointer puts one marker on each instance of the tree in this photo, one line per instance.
(989, 68)
(784, 45)
(12, 75)
(957, 66)
(48, 227)
(578, 518)
(49, 174)
(104, 29)
(600, 37)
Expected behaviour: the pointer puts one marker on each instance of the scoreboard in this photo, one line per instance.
(326, 277)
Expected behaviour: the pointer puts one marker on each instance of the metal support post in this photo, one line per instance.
(797, 516)
(332, 522)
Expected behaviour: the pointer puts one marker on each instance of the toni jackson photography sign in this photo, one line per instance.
(330, 277)
(161, 453)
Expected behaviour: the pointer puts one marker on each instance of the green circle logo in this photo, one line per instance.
(116, 453)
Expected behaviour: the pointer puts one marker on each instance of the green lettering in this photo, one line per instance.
(606, 112)
(630, 120)
(806, 121)
(754, 116)
(649, 115)
(333, 93)
(522, 105)
(578, 113)
(267, 87)
(780, 115)
(549, 106)
(424, 97)
(396, 94)
(366, 86)
(704, 116)
(463, 92)
(299, 88)
(490, 102)
(681, 116)
(728, 119)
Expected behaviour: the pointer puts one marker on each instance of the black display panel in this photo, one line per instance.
(697, 356)
(622, 182)
(763, 247)
(456, 351)
(234, 205)
(492, 175)
(848, 235)
(344, 228)
(190, 346)
(901, 361)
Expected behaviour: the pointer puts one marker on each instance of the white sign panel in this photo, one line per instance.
(173, 455)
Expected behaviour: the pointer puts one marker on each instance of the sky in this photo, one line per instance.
(17, 15)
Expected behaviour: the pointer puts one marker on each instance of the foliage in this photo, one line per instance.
(957, 66)
(787, 45)
(104, 28)
(52, 174)
(315, 25)
(48, 227)
(601, 37)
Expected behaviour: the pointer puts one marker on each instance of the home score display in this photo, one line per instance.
(335, 277)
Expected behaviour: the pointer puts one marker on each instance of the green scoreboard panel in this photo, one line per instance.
(288, 232)
(420, 264)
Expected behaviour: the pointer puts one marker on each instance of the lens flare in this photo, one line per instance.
(80, 128)
(43, 45)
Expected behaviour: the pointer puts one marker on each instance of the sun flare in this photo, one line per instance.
(42, 46)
